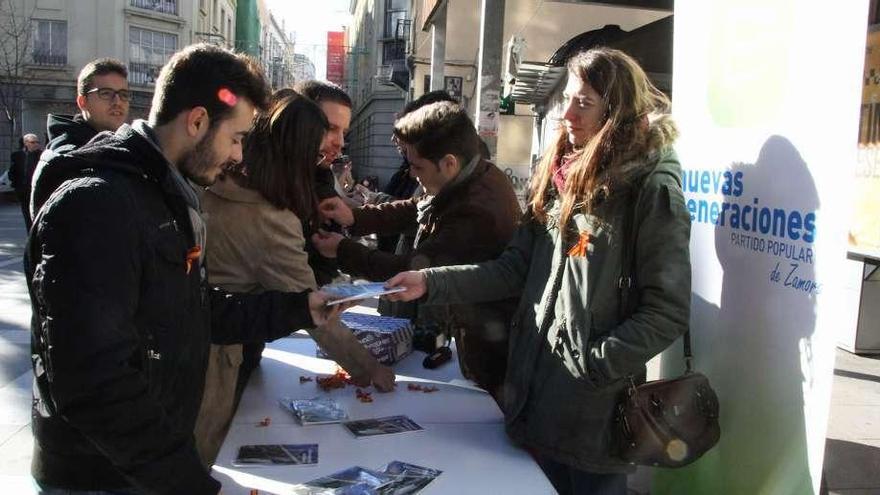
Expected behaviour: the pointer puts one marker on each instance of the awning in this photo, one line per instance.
(535, 81)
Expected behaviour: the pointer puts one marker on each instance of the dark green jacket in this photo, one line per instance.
(567, 364)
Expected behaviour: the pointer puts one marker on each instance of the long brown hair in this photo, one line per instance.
(281, 154)
(630, 99)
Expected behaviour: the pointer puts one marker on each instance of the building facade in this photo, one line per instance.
(214, 21)
(64, 36)
(377, 79)
(303, 68)
(276, 50)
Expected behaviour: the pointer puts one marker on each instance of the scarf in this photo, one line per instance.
(561, 165)
(425, 206)
(188, 191)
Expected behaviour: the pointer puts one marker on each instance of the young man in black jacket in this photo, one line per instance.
(103, 100)
(123, 313)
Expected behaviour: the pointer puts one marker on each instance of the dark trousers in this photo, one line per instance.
(25, 204)
(572, 481)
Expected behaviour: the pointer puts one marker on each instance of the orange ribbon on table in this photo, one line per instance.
(580, 248)
(193, 254)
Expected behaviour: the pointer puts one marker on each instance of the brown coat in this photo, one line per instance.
(253, 247)
(471, 221)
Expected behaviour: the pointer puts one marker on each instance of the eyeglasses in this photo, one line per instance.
(108, 94)
(398, 145)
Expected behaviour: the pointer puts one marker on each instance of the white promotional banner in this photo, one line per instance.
(766, 94)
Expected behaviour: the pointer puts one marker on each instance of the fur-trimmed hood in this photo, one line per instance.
(662, 133)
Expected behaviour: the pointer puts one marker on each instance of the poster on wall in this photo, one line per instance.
(864, 234)
(453, 85)
(766, 181)
(519, 176)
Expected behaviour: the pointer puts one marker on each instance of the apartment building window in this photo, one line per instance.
(395, 10)
(223, 23)
(230, 36)
(148, 52)
(50, 42)
(163, 6)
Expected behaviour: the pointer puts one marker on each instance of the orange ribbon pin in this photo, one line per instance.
(580, 248)
(193, 254)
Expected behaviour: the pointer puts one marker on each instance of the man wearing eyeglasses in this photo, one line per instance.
(102, 98)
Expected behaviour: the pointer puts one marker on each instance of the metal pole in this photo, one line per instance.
(489, 74)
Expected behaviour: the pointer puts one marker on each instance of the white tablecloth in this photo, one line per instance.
(463, 429)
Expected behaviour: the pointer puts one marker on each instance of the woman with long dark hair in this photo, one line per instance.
(256, 214)
(609, 184)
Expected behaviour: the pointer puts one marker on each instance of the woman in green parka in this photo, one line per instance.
(573, 347)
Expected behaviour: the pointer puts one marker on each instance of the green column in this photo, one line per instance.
(247, 28)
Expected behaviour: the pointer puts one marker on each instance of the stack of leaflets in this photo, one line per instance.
(275, 455)
(381, 426)
(396, 478)
(315, 411)
(388, 339)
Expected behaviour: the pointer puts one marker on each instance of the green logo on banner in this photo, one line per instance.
(749, 47)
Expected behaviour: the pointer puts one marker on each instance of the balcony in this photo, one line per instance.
(162, 6)
(393, 51)
(48, 59)
(394, 20)
(143, 74)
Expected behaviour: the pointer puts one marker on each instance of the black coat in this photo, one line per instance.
(21, 171)
(68, 132)
(65, 135)
(122, 327)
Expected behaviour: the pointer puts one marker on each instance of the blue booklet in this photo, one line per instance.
(355, 292)
(277, 455)
(396, 478)
(381, 426)
(352, 481)
(320, 410)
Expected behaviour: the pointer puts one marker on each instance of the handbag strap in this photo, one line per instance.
(626, 283)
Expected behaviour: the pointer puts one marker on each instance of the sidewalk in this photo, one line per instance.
(852, 451)
(15, 365)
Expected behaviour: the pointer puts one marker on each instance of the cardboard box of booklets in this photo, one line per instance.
(388, 339)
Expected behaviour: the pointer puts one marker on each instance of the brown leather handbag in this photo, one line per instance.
(666, 423)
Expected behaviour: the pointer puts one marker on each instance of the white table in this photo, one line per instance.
(464, 430)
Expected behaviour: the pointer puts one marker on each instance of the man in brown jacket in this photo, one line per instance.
(467, 215)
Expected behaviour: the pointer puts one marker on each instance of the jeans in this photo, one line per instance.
(48, 490)
(572, 481)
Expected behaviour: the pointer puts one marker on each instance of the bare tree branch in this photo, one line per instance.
(16, 31)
